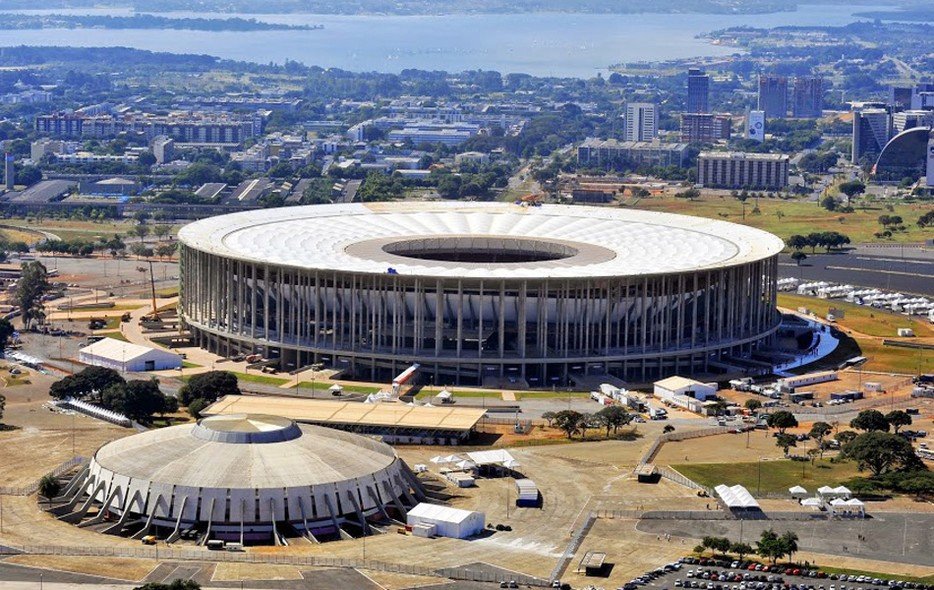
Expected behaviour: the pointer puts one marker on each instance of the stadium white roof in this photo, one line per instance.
(595, 241)
(736, 496)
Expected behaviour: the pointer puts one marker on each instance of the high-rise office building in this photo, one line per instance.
(641, 122)
(698, 91)
(773, 96)
(922, 97)
(905, 120)
(8, 173)
(807, 97)
(755, 125)
(704, 127)
(899, 97)
(742, 170)
(930, 168)
(872, 129)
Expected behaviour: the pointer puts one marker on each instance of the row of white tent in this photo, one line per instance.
(897, 302)
(94, 411)
(835, 499)
(736, 497)
(475, 459)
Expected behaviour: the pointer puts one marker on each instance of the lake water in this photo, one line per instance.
(541, 44)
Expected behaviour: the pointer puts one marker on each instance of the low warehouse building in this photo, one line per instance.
(447, 522)
(789, 384)
(128, 357)
(685, 393)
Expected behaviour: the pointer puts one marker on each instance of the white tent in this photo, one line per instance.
(797, 492)
(126, 356)
(444, 395)
(466, 464)
(736, 497)
(493, 457)
(336, 387)
(448, 522)
(812, 503)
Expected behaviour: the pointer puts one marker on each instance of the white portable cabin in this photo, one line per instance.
(526, 490)
(126, 356)
(448, 522)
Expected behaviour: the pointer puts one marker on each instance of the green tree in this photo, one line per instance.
(789, 541)
(176, 584)
(897, 419)
(852, 188)
(196, 407)
(752, 404)
(82, 384)
(771, 546)
(881, 452)
(797, 242)
(829, 203)
(32, 285)
(548, 417)
(6, 331)
(209, 386)
(49, 487)
(870, 420)
(613, 417)
(818, 431)
(2, 407)
(785, 441)
(741, 549)
(798, 256)
(569, 421)
(845, 437)
(782, 420)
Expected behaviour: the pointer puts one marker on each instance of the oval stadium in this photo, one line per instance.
(241, 478)
(478, 293)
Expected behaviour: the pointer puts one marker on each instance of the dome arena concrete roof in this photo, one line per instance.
(245, 451)
(418, 238)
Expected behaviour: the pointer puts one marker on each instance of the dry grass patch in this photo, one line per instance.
(234, 572)
(117, 568)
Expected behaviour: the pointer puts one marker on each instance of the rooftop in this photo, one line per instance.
(180, 456)
(482, 240)
(338, 413)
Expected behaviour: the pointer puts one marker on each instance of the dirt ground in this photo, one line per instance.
(43, 439)
(117, 568)
(721, 448)
(234, 572)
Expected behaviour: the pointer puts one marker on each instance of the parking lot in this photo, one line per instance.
(710, 574)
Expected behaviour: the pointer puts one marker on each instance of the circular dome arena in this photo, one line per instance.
(250, 477)
(479, 291)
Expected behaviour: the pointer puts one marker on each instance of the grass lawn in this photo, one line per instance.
(777, 476)
(877, 323)
(787, 217)
(863, 319)
(553, 394)
(70, 229)
(324, 385)
(260, 378)
(188, 365)
(116, 335)
(167, 292)
(467, 393)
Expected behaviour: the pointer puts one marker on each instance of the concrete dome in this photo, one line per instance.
(245, 473)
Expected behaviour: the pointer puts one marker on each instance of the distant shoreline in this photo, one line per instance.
(14, 21)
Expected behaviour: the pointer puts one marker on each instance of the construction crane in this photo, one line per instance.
(152, 285)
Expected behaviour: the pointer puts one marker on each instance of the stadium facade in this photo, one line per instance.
(479, 291)
(247, 478)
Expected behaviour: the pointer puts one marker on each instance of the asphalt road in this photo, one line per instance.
(896, 270)
(904, 538)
